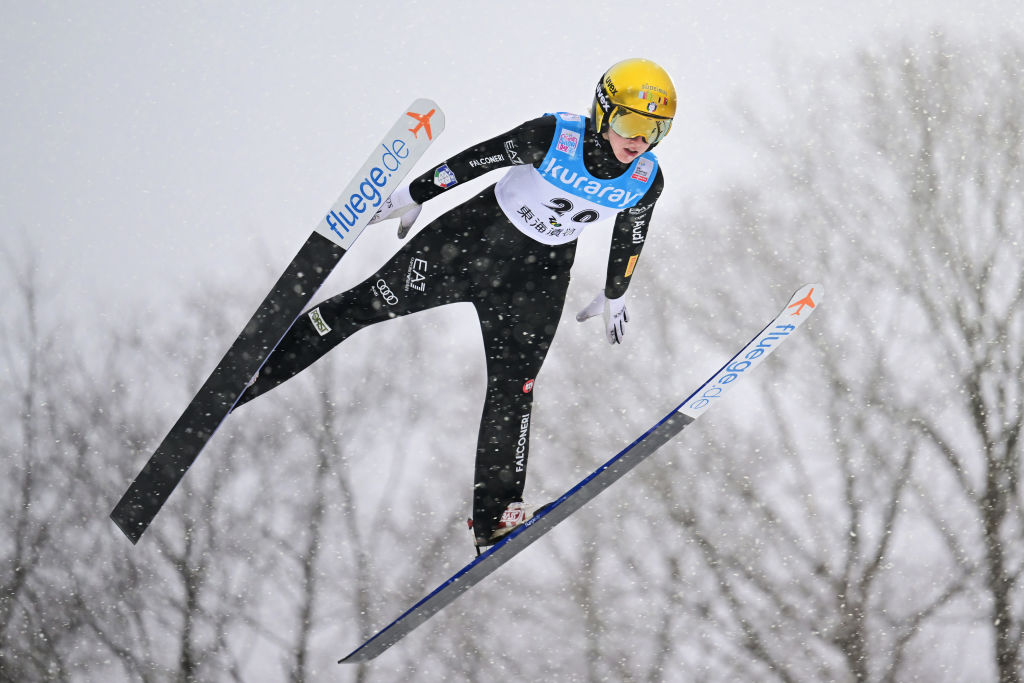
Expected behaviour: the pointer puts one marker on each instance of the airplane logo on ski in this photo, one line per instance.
(807, 301)
(424, 123)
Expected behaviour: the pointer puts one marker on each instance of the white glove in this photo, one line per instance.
(615, 315)
(399, 205)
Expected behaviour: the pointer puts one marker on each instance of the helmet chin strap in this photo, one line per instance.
(602, 142)
(603, 162)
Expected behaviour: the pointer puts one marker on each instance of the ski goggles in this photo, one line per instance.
(631, 124)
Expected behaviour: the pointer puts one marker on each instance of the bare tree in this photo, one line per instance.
(53, 410)
(853, 519)
(33, 515)
(853, 513)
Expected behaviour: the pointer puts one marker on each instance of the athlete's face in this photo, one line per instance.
(626, 149)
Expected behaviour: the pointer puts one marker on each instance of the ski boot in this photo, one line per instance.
(514, 516)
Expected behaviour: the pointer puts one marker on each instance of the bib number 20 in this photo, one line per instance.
(562, 206)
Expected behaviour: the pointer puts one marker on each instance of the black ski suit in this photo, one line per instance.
(517, 285)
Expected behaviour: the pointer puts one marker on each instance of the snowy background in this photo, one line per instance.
(145, 146)
(854, 514)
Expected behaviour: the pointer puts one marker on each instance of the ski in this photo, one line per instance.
(799, 308)
(379, 176)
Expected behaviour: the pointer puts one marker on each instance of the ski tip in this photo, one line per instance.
(805, 300)
(425, 103)
(427, 116)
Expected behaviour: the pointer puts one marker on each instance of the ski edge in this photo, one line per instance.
(768, 339)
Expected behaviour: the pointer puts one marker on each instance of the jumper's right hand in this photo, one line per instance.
(399, 205)
(615, 315)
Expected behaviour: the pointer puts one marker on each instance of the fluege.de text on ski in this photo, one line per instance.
(731, 372)
(369, 195)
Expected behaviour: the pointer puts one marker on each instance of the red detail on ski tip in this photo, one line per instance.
(806, 301)
(424, 123)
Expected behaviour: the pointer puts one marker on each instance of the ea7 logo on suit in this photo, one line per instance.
(416, 276)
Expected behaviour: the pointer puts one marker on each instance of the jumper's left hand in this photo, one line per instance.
(399, 205)
(615, 315)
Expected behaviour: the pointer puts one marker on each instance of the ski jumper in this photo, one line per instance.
(508, 250)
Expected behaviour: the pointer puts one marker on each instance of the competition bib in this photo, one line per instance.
(553, 202)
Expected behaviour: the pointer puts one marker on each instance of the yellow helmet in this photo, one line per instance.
(635, 98)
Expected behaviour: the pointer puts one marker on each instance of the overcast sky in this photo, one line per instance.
(151, 146)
